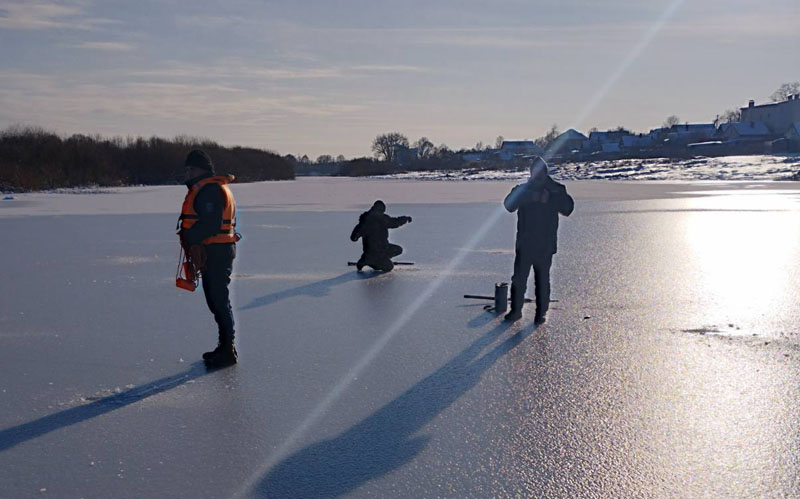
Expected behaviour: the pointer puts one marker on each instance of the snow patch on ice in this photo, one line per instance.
(721, 168)
(133, 260)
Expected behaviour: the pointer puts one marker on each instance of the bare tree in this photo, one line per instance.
(731, 116)
(549, 137)
(442, 151)
(671, 121)
(324, 159)
(498, 142)
(479, 146)
(784, 91)
(424, 148)
(385, 145)
(340, 158)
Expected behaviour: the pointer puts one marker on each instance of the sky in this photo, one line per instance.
(326, 76)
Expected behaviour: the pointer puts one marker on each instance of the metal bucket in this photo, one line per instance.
(500, 297)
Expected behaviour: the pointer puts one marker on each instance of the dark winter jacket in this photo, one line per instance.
(209, 205)
(373, 229)
(537, 223)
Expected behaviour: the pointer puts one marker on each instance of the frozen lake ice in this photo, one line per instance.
(668, 366)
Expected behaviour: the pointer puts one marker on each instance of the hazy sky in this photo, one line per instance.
(314, 77)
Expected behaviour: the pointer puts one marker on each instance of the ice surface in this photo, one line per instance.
(668, 367)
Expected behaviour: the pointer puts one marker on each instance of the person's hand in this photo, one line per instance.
(197, 255)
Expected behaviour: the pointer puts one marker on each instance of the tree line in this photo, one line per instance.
(34, 159)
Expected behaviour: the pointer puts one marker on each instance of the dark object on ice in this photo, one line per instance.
(483, 297)
(373, 229)
(8, 198)
(538, 203)
(207, 230)
(186, 277)
(500, 297)
(352, 264)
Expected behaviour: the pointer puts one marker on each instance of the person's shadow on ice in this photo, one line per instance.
(315, 289)
(15, 435)
(386, 439)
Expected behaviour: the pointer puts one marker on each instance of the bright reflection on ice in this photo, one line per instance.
(743, 248)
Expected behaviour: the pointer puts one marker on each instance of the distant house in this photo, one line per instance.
(633, 142)
(657, 135)
(691, 132)
(793, 133)
(511, 149)
(610, 147)
(569, 141)
(607, 136)
(739, 131)
(597, 140)
(777, 116)
(404, 155)
(477, 156)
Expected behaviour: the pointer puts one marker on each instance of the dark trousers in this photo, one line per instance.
(381, 259)
(216, 278)
(523, 261)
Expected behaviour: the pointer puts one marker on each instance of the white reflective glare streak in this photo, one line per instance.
(623, 67)
(743, 257)
(319, 411)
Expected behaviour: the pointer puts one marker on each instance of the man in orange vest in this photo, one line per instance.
(208, 235)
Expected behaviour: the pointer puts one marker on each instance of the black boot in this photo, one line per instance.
(212, 353)
(226, 356)
(517, 300)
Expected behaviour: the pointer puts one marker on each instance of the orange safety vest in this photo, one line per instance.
(227, 231)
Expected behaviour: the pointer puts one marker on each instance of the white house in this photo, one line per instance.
(637, 141)
(608, 141)
(793, 133)
(691, 132)
(777, 116)
(404, 155)
(511, 149)
(610, 147)
(568, 141)
(476, 156)
(751, 130)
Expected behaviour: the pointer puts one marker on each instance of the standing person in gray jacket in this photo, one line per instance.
(538, 202)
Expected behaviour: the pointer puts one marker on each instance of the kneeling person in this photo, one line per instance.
(373, 229)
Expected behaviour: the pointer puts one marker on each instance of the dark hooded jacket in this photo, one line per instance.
(373, 229)
(537, 223)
